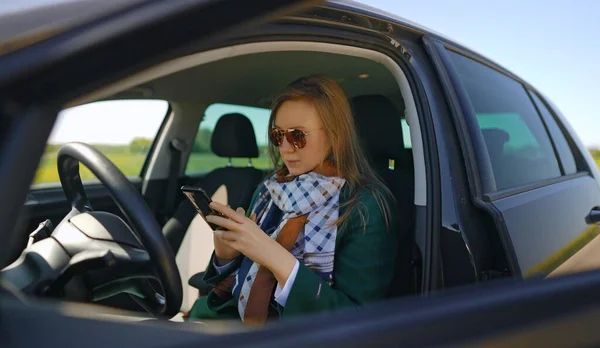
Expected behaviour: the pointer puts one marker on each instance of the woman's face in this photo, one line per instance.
(302, 115)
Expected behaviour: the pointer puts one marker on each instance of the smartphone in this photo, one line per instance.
(201, 202)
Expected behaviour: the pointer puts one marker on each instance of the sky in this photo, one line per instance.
(119, 121)
(551, 44)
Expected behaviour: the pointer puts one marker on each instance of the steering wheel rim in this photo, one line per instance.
(131, 204)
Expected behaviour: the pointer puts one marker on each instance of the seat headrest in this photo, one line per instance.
(234, 136)
(495, 139)
(379, 125)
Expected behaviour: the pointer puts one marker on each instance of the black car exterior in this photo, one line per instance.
(517, 199)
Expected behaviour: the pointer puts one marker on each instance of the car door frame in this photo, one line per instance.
(327, 30)
(479, 232)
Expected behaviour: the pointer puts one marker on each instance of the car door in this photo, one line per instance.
(529, 173)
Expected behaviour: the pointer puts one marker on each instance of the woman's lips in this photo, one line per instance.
(291, 162)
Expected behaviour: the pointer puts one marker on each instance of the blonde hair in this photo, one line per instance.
(347, 154)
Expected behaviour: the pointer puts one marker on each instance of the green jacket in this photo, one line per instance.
(363, 269)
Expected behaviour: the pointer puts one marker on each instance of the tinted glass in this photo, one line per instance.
(562, 146)
(517, 142)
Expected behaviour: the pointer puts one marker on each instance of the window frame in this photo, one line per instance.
(483, 174)
(580, 163)
(161, 129)
(135, 179)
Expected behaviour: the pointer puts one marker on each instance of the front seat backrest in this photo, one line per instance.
(189, 236)
(379, 126)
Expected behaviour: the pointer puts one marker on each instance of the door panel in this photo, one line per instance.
(548, 225)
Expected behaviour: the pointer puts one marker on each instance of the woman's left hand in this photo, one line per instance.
(244, 235)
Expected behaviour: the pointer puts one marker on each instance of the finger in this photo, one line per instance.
(228, 212)
(241, 210)
(223, 222)
(227, 237)
(253, 217)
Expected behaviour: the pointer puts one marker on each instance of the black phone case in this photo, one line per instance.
(200, 201)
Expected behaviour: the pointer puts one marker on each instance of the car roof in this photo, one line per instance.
(42, 14)
(34, 22)
(381, 14)
(366, 10)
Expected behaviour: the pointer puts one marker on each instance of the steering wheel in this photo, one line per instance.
(108, 228)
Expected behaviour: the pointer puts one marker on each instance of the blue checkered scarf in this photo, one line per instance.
(313, 194)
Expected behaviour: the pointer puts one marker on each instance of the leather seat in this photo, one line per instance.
(188, 234)
(379, 126)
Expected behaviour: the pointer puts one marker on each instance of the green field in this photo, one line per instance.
(131, 164)
(202, 162)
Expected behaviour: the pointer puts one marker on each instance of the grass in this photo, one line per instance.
(131, 164)
(202, 162)
(559, 257)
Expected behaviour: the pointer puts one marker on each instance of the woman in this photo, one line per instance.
(318, 232)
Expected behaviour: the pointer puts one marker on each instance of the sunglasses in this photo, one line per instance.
(295, 137)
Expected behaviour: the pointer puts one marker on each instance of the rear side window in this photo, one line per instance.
(518, 145)
(204, 160)
(562, 146)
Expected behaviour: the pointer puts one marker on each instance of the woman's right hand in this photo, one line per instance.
(224, 253)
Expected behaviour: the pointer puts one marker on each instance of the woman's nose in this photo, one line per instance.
(286, 146)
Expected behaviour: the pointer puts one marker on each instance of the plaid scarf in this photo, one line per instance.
(313, 194)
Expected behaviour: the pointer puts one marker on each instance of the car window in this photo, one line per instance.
(123, 130)
(203, 159)
(406, 134)
(562, 146)
(518, 145)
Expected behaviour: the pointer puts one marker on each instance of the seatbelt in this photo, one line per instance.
(176, 147)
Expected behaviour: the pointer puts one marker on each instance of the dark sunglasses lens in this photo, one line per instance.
(297, 138)
(276, 137)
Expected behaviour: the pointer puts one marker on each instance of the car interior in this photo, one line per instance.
(251, 75)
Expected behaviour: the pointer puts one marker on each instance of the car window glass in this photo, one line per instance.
(562, 146)
(519, 147)
(406, 134)
(203, 159)
(123, 130)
